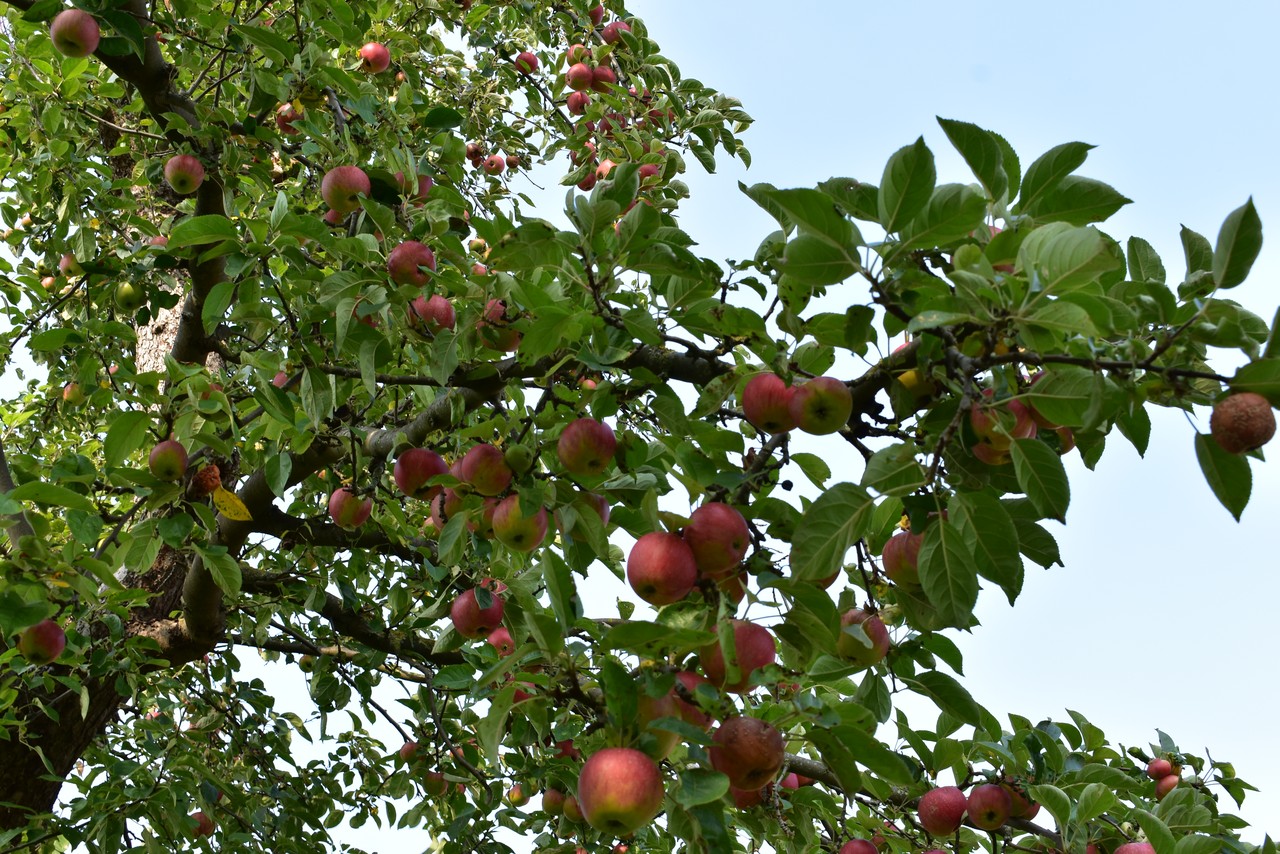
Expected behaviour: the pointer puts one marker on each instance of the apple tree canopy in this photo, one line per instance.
(310, 376)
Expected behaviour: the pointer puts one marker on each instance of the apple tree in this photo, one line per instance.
(321, 377)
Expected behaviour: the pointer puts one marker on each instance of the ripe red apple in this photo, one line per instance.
(603, 170)
(333, 218)
(342, 187)
(745, 799)
(719, 538)
(688, 711)
(1166, 784)
(766, 401)
(573, 810)
(748, 751)
(74, 33)
(858, 846)
(661, 568)
(517, 796)
(43, 642)
(485, 468)
(901, 558)
(989, 806)
(596, 13)
(578, 102)
(375, 58)
(472, 621)
(854, 649)
(553, 802)
(821, 406)
(1021, 805)
(588, 183)
(168, 460)
(432, 314)
(941, 810)
(404, 263)
(408, 751)
(999, 424)
(1242, 422)
(72, 394)
(515, 529)
(280, 380)
(494, 164)
(586, 447)
(433, 783)
(577, 53)
(184, 174)
(500, 639)
(1136, 848)
(754, 647)
(204, 824)
(620, 790)
(286, 115)
(579, 76)
(1158, 769)
(494, 327)
(603, 78)
(526, 62)
(612, 32)
(347, 510)
(649, 171)
(418, 192)
(414, 470)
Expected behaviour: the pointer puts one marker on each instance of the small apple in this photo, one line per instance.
(526, 62)
(579, 76)
(577, 53)
(280, 380)
(517, 796)
(74, 33)
(472, 621)
(754, 647)
(375, 58)
(661, 568)
(858, 846)
(1158, 769)
(603, 78)
(999, 424)
(612, 33)
(494, 164)
(515, 529)
(620, 790)
(414, 470)
(347, 510)
(941, 810)
(342, 187)
(553, 802)
(586, 447)
(989, 806)
(857, 650)
(901, 557)
(766, 401)
(485, 468)
(72, 394)
(417, 193)
(588, 183)
(603, 170)
(577, 103)
(204, 824)
(432, 314)
(1136, 848)
(494, 327)
(719, 538)
(500, 639)
(748, 751)
(409, 752)
(688, 711)
(130, 296)
(1242, 422)
(286, 115)
(168, 460)
(333, 218)
(69, 266)
(433, 783)
(512, 161)
(573, 810)
(405, 263)
(43, 642)
(596, 14)
(1166, 784)
(650, 709)
(184, 173)
(821, 406)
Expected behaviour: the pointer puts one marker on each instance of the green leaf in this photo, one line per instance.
(1066, 257)
(837, 756)
(1228, 474)
(810, 260)
(560, 588)
(493, 726)
(947, 573)
(952, 212)
(990, 536)
(701, 786)
(1048, 170)
(277, 48)
(1158, 833)
(1078, 201)
(39, 492)
(906, 186)
(442, 117)
(1261, 377)
(879, 759)
(981, 151)
(1144, 263)
(812, 211)
(1062, 394)
(949, 696)
(223, 567)
(215, 305)
(894, 470)
(126, 434)
(199, 230)
(1054, 800)
(830, 526)
(1095, 800)
(1239, 243)
(1041, 475)
(277, 469)
(1196, 251)
(858, 200)
(647, 638)
(1196, 843)
(814, 467)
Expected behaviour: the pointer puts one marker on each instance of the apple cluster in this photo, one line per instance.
(819, 406)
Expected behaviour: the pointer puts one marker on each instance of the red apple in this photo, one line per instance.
(857, 650)
(347, 510)
(748, 751)
(989, 806)
(404, 263)
(526, 62)
(184, 174)
(588, 183)
(69, 266)
(414, 470)
(1159, 768)
(418, 192)
(553, 802)
(661, 568)
(612, 32)
(485, 468)
(494, 164)
(1166, 784)
(500, 639)
(586, 447)
(577, 53)
(433, 783)
(745, 799)
(754, 648)
(579, 76)
(204, 825)
(901, 558)
(168, 460)
(596, 13)
(375, 58)
(74, 33)
(518, 531)
(573, 810)
(333, 218)
(494, 327)
(431, 315)
(1136, 848)
(72, 394)
(342, 187)
(942, 810)
(719, 538)
(821, 406)
(688, 711)
(603, 78)
(577, 103)
(766, 401)
(620, 790)
(650, 709)
(408, 751)
(472, 621)
(999, 424)
(286, 115)
(1242, 422)
(858, 846)
(43, 642)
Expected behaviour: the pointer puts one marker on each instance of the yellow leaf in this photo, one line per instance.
(230, 505)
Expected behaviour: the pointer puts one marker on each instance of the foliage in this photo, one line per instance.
(293, 363)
